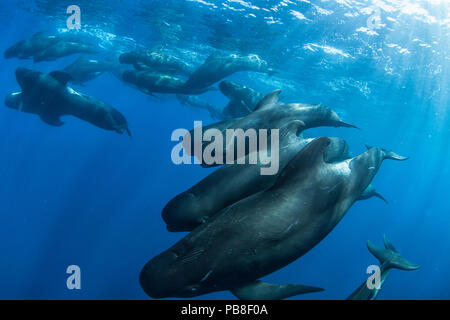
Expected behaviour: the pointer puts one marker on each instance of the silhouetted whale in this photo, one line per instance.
(389, 259)
(85, 69)
(48, 96)
(266, 231)
(27, 48)
(43, 46)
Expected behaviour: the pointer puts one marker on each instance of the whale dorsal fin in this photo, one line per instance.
(268, 100)
(61, 76)
(259, 290)
(310, 156)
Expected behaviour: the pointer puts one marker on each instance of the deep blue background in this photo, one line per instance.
(80, 195)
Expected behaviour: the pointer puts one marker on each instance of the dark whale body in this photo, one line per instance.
(47, 47)
(270, 113)
(48, 96)
(233, 182)
(156, 61)
(150, 82)
(62, 49)
(266, 231)
(219, 66)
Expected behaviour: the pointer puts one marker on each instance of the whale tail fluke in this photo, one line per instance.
(390, 257)
(259, 290)
(394, 156)
(390, 154)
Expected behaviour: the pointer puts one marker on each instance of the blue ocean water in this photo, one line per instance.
(79, 195)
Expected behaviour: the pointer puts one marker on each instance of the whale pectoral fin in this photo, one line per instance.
(52, 120)
(390, 154)
(61, 76)
(259, 290)
(371, 192)
(394, 156)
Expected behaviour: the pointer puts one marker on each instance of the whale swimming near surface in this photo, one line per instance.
(270, 113)
(62, 49)
(266, 231)
(243, 100)
(233, 182)
(43, 46)
(389, 259)
(49, 97)
(156, 61)
(84, 69)
(150, 82)
(27, 48)
(219, 66)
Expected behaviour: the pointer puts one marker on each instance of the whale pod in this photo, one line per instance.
(265, 231)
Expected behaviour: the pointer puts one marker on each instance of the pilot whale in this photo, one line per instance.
(62, 49)
(389, 259)
(156, 61)
(233, 182)
(43, 46)
(270, 113)
(266, 231)
(219, 66)
(150, 82)
(48, 96)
